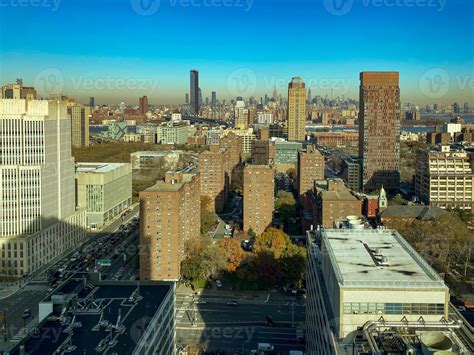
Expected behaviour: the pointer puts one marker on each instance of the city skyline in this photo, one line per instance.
(429, 54)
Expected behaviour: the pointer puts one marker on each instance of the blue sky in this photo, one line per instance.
(120, 49)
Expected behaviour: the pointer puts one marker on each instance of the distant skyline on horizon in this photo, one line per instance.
(119, 50)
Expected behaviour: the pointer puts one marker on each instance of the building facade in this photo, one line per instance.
(310, 168)
(296, 110)
(444, 178)
(79, 125)
(38, 219)
(169, 216)
(379, 130)
(104, 190)
(174, 133)
(194, 91)
(258, 198)
(143, 105)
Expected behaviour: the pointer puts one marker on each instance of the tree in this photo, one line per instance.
(273, 241)
(398, 200)
(208, 216)
(233, 253)
(191, 268)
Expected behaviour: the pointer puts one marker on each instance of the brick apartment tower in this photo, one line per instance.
(143, 105)
(296, 109)
(310, 168)
(379, 130)
(169, 216)
(258, 197)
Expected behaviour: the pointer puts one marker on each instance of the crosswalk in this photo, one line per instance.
(27, 329)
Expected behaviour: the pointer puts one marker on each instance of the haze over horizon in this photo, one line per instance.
(241, 48)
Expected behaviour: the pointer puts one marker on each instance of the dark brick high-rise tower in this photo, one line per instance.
(379, 130)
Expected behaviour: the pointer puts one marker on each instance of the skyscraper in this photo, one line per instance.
(143, 105)
(213, 98)
(186, 99)
(169, 216)
(92, 102)
(379, 130)
(194, 91)
(296, 109)
(258, 197)
(79, 124)
(38, 219)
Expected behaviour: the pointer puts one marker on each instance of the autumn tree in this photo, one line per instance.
(233, 252)
(273, 241)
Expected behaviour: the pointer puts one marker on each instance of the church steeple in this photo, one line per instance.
(383, 202)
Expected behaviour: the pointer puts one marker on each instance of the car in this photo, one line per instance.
(26, 313)
(218, 283)
(232, 303)
(461, 308)
(202, 301)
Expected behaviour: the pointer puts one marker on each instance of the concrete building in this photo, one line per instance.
(104, 190)
(106, 317)
(169, 216)
(17, 91)
(169, 159)
(444, 178)
(79, 124)
(336, 139)
(286, 154)
(213, 136)
(370, 292)
(379, 130)
(174, 133)
(241, 115)
(264, 118)
(334, 201)
(442, 138)
(310, 168)
(296, 110)
(258, 197)
(412, 116)
(38, 219)
(452, 128)
(233, 143)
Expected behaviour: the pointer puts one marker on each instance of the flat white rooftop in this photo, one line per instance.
(377, 258)
(98, 168)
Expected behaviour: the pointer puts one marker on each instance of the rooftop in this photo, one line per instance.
(341, 195)
(423, 213)
(98, 168)
(377, 258)
(108, 303)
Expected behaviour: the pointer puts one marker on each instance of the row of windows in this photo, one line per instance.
(394, 308)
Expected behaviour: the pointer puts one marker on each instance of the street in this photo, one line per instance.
(220, 327)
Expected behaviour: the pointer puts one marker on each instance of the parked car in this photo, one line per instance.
(232, 303)
(218, 283)
(202, 301)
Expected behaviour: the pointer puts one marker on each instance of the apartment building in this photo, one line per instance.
(310, 168)
(79, 124)
(444, 178)
(258, 197)
(169, 216)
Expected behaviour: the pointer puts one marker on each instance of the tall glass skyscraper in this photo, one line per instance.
(194, 91)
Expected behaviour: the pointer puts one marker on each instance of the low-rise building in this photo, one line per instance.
(351, 172)
(168, 159)
(334, 201)
(104, 190)
(336, 139)
(174, 132)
